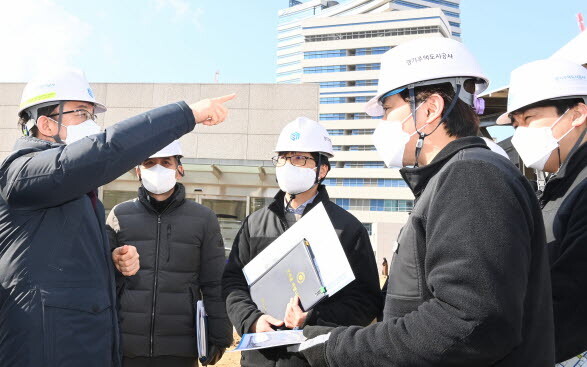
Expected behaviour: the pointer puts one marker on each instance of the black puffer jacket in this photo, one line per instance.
(469, 284)
(182, 258)
(356, 304)
(565, 217)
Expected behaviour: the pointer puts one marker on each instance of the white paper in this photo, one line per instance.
(316, 227)
(269, 340)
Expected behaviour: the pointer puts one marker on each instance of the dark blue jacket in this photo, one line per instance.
(57, 291)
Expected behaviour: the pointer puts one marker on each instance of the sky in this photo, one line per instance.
(188, 41)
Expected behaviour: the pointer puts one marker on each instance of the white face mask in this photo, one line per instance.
(535, 144)
(80, 131)
(295, 180)
(390, 141)
(158, 179)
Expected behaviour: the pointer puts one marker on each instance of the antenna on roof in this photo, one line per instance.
(216, 76)
(580, 22)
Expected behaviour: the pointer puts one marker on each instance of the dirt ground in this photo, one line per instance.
(233, 359)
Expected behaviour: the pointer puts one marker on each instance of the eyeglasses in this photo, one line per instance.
(295, 160)
(87, 115)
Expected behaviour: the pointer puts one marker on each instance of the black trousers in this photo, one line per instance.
(163, 361)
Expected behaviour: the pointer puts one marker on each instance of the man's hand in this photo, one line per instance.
(211, 111)
(294, 315)
(214, 355)
(265, 323)
(126, 260)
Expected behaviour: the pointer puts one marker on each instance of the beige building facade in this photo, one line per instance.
(228, 167)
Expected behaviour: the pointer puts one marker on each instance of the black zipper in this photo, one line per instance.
(155, 284)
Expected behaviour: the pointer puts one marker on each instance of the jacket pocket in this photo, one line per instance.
(77, 327)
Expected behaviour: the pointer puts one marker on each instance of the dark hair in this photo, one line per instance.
(462, 120)
(561, 105)
(323, 159)
(25, 116)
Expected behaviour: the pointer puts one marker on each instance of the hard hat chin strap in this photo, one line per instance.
(420, 142)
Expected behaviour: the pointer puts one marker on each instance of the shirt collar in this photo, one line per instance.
(300, 209)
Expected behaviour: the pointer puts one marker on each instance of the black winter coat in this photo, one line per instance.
(182, 258)
(469, 284)
(565, 216)
(57, 291)
(356, 304)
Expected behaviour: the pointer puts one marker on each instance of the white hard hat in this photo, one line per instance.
(495, 148)
(173, 149)
(426, 61)
(304, 135)
(60, 85)
(542, 80)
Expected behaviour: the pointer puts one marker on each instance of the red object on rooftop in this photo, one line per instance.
(580, 21)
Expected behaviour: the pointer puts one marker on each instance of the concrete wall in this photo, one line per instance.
(256, 115)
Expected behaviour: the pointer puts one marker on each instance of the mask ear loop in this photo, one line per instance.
(59, 118)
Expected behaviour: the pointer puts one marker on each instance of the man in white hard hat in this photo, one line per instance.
(182, 257)
(57, 290)
(547, 106)
(467, 288)
(303, 149)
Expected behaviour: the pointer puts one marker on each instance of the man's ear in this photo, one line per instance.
(323, 171)
(434, 106)
(179, 173)
(582, 115)
(46, 126)
(138, 172)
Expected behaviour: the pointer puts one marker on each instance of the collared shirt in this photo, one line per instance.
(300, 209)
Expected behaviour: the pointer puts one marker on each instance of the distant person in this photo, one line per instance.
(385, 268)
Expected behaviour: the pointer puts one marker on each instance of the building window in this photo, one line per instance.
(458, 25)
(361, 116)
(365, 182)
(374, 34)
(114, 197)
(291, 72)
(288, 64)
(369, 228)
(362, 131)
(362, 67)
(456, 34)
(324, 54)
(259, 203)
(361, 148)
(443, 2)
(289, 46)
(336, 148)
(290, 38)
(372, 50)
(366, 83)
(333, 100)
(285, 30)
(451, 14)
(375, 205)
(335, 132)
(331, 116)
(325, 69)
(364, 165)
(410, 5)
(363, 99)
(332, 84)
(288, 55)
